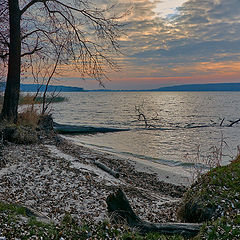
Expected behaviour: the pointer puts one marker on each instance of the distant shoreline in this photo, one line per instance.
(211, 87)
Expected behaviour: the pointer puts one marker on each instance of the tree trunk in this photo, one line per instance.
(11, 96)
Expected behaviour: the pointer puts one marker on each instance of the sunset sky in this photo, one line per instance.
(171, 42)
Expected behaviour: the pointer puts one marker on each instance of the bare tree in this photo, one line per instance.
(43, 71)
(3, 41)
(85, 34)
(4, 32)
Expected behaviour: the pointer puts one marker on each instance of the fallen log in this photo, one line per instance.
(106, 169)
(74, 129)
(120, 209)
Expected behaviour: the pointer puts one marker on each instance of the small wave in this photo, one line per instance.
(125, 154)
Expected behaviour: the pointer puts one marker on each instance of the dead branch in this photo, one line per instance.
(234, 122)
(142, 115)
(222, 122)
(106, 169)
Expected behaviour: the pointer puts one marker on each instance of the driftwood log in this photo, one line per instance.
(120, 209)
(74, 129)
(106, 169)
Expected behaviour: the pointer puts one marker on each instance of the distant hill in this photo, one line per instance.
(51, 88)
(210, 87)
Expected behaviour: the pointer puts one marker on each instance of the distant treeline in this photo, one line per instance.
(51, 88)
(210, 87)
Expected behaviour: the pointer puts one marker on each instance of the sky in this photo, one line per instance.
(173, 42)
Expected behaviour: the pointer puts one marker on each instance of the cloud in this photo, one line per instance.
(200, 41)
(195, 51)
(203, 31)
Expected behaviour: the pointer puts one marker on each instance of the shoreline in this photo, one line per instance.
(173, 175)
(57, 176)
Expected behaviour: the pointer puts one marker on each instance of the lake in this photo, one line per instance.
(185, 126)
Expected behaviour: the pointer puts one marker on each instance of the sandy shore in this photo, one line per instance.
(57, 176)
(174, 175)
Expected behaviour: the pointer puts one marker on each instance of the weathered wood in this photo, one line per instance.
(234, 122)
(120, 208)
(106, 169)
(183, 229)
(222, 122)
(74, 129)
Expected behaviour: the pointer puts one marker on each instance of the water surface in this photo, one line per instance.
(184, 122)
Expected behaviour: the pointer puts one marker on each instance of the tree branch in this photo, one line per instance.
(5, 42)
(24, 9)
(36, 49)
(36, 31)
(3, 56)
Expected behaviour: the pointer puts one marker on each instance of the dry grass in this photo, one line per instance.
(203, 161)
(27, 99)
(29, 117)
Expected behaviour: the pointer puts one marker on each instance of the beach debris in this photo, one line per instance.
(107, 169)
